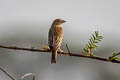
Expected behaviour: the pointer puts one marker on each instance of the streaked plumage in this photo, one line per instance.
(55, 38)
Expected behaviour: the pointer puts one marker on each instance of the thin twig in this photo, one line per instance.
(70, 54)
(115, 55)
(67, 48)
(7, 73)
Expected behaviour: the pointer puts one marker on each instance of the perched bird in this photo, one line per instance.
(55, 37)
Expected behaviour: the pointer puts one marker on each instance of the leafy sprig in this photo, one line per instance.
(114, 56)
(91, 45)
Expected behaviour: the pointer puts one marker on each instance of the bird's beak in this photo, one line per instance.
(63, 21)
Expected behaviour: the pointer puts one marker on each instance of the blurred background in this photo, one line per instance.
(25, 23)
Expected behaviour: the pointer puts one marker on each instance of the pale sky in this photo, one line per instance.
(83, 16)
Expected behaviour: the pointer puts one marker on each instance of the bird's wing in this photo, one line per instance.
(50, 38)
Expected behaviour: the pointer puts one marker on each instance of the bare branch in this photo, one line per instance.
(26, 49)
(7, 73)
(70, 54)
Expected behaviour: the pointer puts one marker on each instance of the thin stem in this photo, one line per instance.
(67, 48)
(115, 55)
(7, 73)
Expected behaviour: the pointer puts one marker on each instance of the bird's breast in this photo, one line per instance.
(59, 30)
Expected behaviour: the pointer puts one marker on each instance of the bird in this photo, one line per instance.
(55, 37)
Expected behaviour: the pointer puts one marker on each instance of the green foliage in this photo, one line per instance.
(92, 43)
(46, 48)
(114, 56)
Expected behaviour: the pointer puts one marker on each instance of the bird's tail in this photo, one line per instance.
(54, 56)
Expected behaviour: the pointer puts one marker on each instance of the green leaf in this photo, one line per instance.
(96, 33)
(89, 43)
(93, 36)
(95, 41)
(92, 39)
(113, 53)
(84, 49)
(100, 37)
(116, 58)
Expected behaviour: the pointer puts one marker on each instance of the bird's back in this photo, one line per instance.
(55, 35)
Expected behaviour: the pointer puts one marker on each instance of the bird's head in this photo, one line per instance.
(58, 21)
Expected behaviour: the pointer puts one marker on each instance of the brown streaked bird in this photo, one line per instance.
(55, 38)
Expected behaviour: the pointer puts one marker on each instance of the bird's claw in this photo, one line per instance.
(60, 51)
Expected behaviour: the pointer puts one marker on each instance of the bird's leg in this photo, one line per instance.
(60, 51)
(50, 50)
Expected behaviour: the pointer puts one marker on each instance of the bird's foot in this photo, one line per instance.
(60, 51)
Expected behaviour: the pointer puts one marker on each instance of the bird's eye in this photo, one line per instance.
(58, 20)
